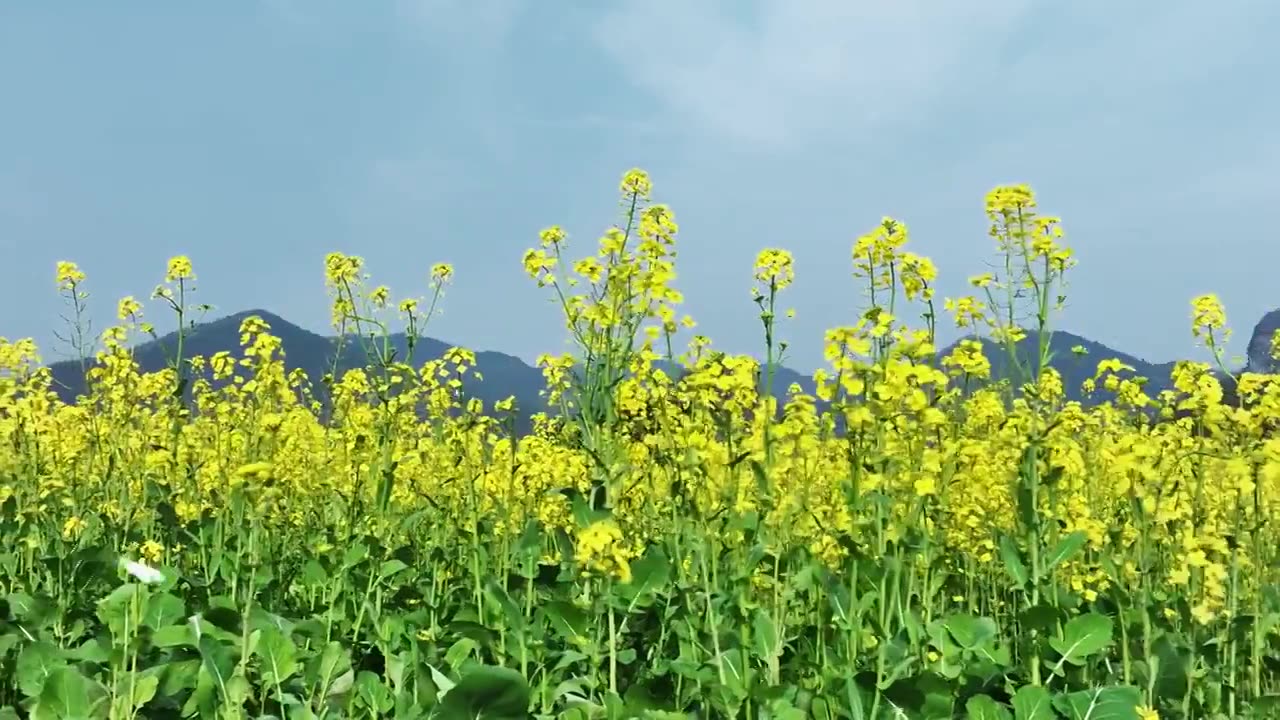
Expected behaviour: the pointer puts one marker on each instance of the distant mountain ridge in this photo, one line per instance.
(506, 375)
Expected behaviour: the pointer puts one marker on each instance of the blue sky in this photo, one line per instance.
(257, 136)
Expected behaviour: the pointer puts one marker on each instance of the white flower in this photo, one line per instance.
(145, 574)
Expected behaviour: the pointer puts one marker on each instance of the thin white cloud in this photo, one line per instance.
(776, 72)
(797, 69)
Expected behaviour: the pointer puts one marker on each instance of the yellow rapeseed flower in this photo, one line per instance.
(68, 275)
(179, 269)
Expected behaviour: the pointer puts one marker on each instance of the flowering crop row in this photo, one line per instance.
(915, 539)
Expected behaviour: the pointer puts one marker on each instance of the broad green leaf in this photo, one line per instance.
(326, 670)
(342, 684)
(442, 682)
(93, 650)
(33, 612)
(144, 688)
(163, 610)
(840, 602)
(355, 554)
(68, 695)
(971, 632)
(492, 693)
(648, 574)
(391, 567)
(500, 598)
(765, 638)
(174, 635)
(459, 652)
(219, 662)
(983, 707)
(783, 709)
(117, 609)
(278, 655)
(938, 706)
(733, 667)
(373, 694)
(568, 620)
(1032, 702)
(1082, 637)
(1109, 703)
(180, 676)
(36, 663)
(313, 574)
(1066, 549)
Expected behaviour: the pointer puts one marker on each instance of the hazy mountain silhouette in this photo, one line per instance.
(1075, 368)
(506, 375)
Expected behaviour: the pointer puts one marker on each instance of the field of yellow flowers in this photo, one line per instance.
(228, 539)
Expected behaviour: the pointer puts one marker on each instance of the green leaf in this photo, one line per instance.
(767, 642)
(279, 656)
(585, 514)
(391, 567)
(1066, 549)
(218, 661)
(35, 664)
(1109, 703)
(313, 574)
(783, 709)
(180, 675)
(733, 667)
(1083, 636)
(67, 695)
(144, 688)
(1012, 557)
(116, 609)
(93, 650)
(327, 671)
(174, 635)
(761, 478)
(983, 707)
(442, 682)
(342, 684)
(511, 612)
(969, 631)
(571, 622)
(32, 612)
(164, 609)
(492, 693)
(840, 602)
(648, 574)
(1032, 702)
(355, 554)
(459, 652)
(373, 694)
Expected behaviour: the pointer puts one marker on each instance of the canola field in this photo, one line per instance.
(231, 539)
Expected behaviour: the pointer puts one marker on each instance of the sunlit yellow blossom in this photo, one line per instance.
(775, 267)
(68, 275)
(179, 269)
(72, 528)
(128, 308)
(441, 273)
(1208, 317)
(152, 551)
